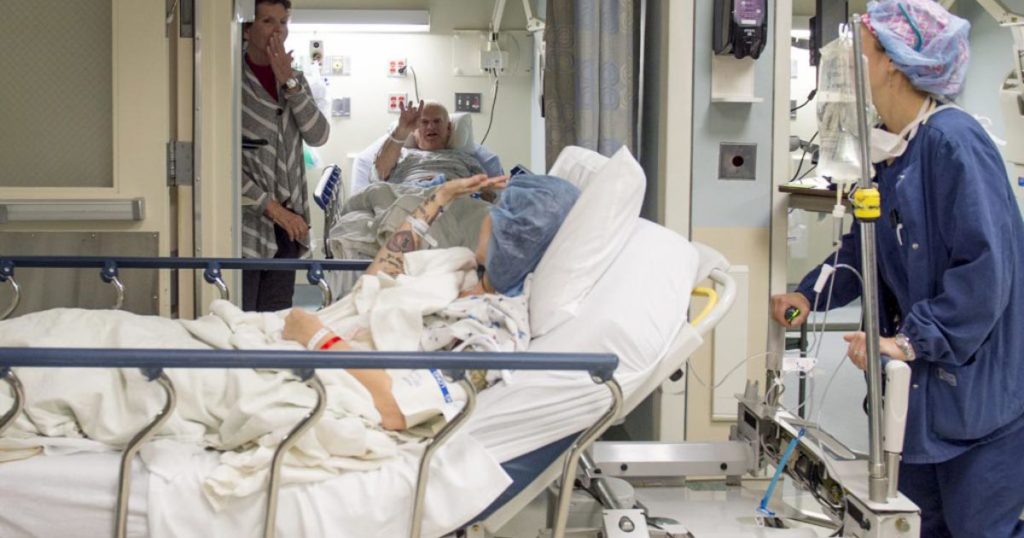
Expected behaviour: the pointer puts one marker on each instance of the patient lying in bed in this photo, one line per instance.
(408, 300)
(511, 241)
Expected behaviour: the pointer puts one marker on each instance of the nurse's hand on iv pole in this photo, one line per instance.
(785, 301)
(857, 351)
(294, 225)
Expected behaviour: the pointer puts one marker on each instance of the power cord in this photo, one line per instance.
(803, 156)
(415, 81)
(494, 101)
(810, 97)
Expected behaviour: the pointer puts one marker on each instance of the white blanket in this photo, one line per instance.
(246, 412)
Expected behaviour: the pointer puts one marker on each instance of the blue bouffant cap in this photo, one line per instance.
(523, 222)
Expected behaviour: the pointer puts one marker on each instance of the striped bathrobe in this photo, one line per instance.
(277, 170)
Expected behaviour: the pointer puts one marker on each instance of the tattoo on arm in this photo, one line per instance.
(388, 263)
(402, 241)
(429, 210)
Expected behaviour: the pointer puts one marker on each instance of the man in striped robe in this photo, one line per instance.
(278, 108)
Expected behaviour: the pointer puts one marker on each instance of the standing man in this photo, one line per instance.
(277, 107)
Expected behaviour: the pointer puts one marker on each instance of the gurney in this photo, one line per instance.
(542, 460)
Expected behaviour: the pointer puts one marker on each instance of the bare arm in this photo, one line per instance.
(387, 157)
(300, 326)
(390, 258)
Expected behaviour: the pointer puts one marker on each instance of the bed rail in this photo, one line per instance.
(211, 267)
(7, 275)
(601, 368)
(9, 417)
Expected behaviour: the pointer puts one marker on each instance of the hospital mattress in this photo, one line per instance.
(524, 422)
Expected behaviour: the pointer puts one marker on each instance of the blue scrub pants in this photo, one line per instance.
(979, 493)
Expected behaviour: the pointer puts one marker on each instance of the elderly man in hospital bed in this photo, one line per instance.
(431, 128)
(408, 300)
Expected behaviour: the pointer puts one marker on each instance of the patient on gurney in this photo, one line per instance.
(408, 300)
(431, 128)
(511, 241)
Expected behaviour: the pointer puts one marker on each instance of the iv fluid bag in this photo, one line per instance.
(839, 157)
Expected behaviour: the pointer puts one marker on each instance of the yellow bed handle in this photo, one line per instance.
(712, 296)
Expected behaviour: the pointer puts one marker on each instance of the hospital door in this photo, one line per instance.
(96, 94)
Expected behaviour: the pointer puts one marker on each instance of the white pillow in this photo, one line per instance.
(637, 306)
(577, 165)
(462, 133)
(592, 235)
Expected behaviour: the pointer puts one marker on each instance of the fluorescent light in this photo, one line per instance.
(360, 20)
(132, 209)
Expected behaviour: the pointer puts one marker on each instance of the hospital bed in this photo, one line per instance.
(558, 406)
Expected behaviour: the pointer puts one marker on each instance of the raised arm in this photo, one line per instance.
(313, 126)
(390, 258)
(387, 157)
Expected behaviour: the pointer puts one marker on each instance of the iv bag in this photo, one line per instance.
(840, 157)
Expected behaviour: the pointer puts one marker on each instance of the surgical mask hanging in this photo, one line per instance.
(886, 145)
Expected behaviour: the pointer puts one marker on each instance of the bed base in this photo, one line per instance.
(152, 362)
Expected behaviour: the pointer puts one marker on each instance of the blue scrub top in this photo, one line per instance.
(950, 247)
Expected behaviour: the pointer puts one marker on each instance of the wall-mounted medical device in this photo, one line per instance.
(740, 27)
(829, 16)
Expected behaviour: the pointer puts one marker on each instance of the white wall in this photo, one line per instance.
(431, 56)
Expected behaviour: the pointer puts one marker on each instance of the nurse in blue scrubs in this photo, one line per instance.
(951, 266)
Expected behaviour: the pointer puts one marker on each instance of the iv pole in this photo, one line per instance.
(867, 204)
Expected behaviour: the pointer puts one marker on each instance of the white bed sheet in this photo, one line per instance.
(635, 311)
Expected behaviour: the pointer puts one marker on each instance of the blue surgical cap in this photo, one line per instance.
(523, 223)
(927, 43)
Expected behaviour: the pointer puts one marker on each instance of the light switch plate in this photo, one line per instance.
(341, 108)
(468, 102)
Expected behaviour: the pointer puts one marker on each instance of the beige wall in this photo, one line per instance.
(677, 102)
(741, 246)
(218, 147)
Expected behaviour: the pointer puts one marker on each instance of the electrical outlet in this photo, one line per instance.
(396, 101)
(338, 66)
(467, 102)
(395, 67)
(316, 51)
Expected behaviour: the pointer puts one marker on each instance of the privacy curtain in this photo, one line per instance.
(590, 75)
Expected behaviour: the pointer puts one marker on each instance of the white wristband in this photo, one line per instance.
(398, 141)
(421, 228)
(317, 336)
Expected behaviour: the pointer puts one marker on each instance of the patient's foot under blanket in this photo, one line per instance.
(246, 412)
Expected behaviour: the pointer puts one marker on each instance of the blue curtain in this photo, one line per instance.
(590, 75)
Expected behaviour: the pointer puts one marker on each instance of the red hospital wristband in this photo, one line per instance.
(330, 342)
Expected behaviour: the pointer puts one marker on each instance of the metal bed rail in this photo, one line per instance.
(110, 265)
(304, 364)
